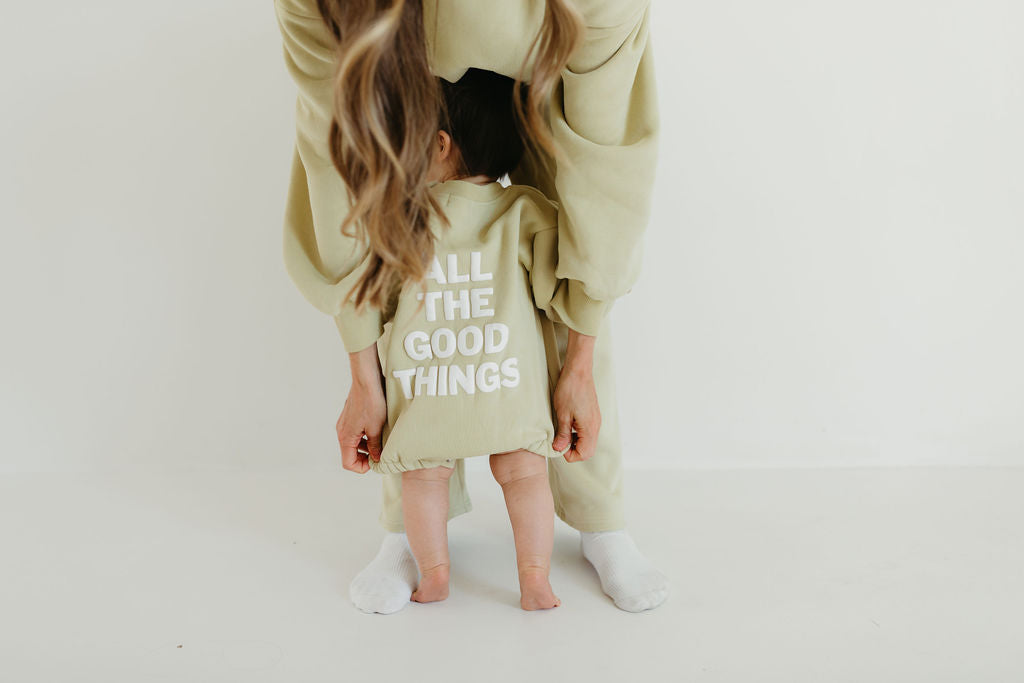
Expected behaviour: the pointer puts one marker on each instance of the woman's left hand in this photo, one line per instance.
(575, 401)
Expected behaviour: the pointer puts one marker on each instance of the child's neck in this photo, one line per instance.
(476, 179)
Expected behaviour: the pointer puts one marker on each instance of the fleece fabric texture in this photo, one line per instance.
(604, 117)
(464, 360)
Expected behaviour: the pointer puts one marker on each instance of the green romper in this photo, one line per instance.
(464, 361)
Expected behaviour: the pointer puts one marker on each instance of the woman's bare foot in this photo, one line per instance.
(433, 585)
(535, 590)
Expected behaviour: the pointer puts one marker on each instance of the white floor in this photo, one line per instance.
(821, 576)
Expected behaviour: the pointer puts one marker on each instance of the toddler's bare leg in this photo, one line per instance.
(524, 481)
(425, 512)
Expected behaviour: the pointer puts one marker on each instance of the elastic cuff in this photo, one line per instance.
(612, 522)
(359, 330)
(579, 312)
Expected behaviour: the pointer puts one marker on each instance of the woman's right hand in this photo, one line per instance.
(362, 419)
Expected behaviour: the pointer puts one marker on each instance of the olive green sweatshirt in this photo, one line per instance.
(604, 117)
(464, 358)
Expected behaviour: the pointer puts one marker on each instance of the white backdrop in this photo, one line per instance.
(833, 272)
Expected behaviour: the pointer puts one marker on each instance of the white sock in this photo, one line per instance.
(386, 584)
(628, 577)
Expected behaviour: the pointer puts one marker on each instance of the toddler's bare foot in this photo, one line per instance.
(433, 585)
(535, 590)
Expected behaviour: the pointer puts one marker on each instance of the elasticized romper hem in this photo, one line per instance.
(542, 448)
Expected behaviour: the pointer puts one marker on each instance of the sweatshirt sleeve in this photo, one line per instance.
(557, 297)
(323, 263)
(606, 120)
(560, 299)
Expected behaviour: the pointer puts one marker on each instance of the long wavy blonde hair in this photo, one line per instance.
(386, 114)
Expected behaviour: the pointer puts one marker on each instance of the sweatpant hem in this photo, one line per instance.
(593, 524)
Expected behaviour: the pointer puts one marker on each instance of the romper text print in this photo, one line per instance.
(465, 303)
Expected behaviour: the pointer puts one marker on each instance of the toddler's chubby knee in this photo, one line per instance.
(439, 473)
(515, 465)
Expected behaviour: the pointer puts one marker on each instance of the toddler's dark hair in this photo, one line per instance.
(479, 114)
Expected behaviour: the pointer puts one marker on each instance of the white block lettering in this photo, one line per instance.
(480, 300)
(474, 268)
(420, 351)
(487, 377)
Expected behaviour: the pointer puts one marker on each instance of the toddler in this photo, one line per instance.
(465, 366)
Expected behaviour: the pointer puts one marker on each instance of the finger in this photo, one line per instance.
(572, 455)
(586, 444)
(357, 463)
(351, 458)
(374, 446)
(364, 453)
(563, 436)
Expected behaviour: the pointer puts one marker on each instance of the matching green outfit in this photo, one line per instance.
(604, 116)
